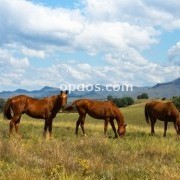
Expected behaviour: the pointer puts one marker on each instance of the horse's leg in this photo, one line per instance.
(176, 128)
(153, 121)
(45, 127)
(50, 128)
(17, 128)
(17, 124)
(80, 121)
(113, 127)
(11, 125)
(165, 127)
(106, 121)
(14, 120)
(82, 124)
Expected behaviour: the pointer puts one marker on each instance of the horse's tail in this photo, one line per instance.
(7, 110)
(71, 107)
(146, 113)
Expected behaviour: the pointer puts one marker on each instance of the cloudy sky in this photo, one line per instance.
(50, 42)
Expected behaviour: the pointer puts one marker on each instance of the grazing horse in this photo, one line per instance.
(105, 110)
(166, 112)
(45, 108)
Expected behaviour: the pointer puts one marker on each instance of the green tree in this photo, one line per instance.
(129, 100)
(2, 102)
(110, 98)
(123, 102)
(143, 96)
(176, 101)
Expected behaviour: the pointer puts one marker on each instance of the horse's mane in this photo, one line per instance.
(112, 103)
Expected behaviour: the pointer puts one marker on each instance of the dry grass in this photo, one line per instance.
(137, 156)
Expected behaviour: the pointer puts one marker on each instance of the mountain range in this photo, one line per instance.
(160, 90)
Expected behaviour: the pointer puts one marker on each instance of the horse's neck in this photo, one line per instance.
(56, 102)
(120, 119)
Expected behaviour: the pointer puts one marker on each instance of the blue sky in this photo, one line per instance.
(70, 4)
(50, 42)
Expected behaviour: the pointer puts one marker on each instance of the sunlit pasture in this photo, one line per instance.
(65, 156)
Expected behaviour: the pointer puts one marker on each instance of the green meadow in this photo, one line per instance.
(136, 156)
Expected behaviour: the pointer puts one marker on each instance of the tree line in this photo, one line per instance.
(126, 101)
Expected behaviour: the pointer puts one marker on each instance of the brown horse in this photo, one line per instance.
(45, 108)
(100, 110)
(166, 112)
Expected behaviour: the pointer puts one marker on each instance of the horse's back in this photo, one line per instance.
(19, 100)
(165, 107)
(96, 109)
(160, 110)
(23, 100)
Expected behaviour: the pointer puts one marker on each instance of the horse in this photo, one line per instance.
(105, 110)
(166, 112)
(45, 108)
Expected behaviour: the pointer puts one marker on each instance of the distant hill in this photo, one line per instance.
(45, 91)
(160, 90)
(168, 89)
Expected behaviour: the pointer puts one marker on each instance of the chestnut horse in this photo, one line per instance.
(166, 112)
(45, 108)
(105, 110)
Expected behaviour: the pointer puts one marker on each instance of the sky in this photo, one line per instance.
(50, 42)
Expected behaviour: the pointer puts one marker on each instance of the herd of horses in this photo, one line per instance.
(47, 108)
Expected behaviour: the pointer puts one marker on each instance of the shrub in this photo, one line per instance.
(110, 98)
(176, 101)
(122, 102)
(2, 102)
(143, 96)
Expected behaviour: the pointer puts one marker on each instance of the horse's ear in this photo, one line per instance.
(61, 92)
(66, 92)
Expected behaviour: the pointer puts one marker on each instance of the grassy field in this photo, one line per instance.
(137, 156)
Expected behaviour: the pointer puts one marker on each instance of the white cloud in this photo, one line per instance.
(174, 54)
(35, 27)
(107, 36)
(33, 53)
(145, 12)
(100, 25)
(118, 30)
(13, 69)
(135, 70)
(138, 70)
(8, 60)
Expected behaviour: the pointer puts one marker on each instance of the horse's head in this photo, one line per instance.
(121, 130)
(63, 98)
(178, 122)
(175, 114)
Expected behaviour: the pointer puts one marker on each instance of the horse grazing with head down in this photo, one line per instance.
(166, 112)
(105, 110)
(45, 108)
